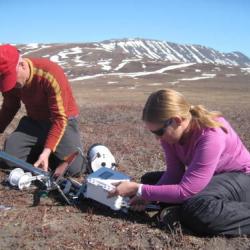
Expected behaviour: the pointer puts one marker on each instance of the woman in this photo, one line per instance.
(207, 167)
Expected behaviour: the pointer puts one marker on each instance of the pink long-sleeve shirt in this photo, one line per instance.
(191, 166)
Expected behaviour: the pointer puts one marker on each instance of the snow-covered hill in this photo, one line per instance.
(132, 57)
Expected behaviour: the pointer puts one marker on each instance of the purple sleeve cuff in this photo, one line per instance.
(163, 193)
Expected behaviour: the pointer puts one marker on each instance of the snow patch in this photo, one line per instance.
(195, 78)
(105, 64)
(154, 84)
(108, 47)
(173, 83)
(209, 75)
(55, 58)
(135, 74)
(132, 88)
(121, 65)
(33, 45)
(245, 70)
(110, 82)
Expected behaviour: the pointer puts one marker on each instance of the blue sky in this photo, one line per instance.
(221, 24)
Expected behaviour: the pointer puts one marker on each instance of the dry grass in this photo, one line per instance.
(113, 118)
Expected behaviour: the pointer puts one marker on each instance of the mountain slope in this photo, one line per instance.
(129, 56)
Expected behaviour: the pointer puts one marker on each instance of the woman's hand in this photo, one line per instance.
(138, 203)
(129, 189)
(43, 160)
(124, 188)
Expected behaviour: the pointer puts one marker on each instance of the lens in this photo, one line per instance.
(159, 132)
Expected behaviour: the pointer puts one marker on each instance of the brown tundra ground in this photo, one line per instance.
(111, 115)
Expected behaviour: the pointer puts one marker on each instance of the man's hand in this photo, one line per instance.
(124, 188)
(43, 160)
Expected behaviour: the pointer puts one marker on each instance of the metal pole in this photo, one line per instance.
(22, 164)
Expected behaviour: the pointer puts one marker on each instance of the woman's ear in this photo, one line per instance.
(177, 121)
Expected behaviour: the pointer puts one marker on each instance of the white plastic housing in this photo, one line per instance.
(100, 182)
(100, 156)
(20, 179)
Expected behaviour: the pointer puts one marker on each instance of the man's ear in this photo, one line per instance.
(22, 65)
(177, 120)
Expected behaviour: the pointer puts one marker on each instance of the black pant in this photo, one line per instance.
(27, 143)
(222, 208)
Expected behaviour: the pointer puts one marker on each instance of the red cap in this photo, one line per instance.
(9, 56)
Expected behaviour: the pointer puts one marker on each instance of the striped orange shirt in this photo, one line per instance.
(47, 96)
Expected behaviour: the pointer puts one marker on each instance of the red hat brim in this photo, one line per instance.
(8, 81)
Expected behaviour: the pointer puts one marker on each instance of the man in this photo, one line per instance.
(49, 132)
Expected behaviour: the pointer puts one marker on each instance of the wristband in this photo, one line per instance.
(139, 191)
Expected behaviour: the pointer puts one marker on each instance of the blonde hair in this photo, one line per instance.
(167, 103)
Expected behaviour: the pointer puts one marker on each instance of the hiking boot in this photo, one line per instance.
(170, 216)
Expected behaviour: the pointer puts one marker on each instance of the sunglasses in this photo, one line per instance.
(161, 131)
